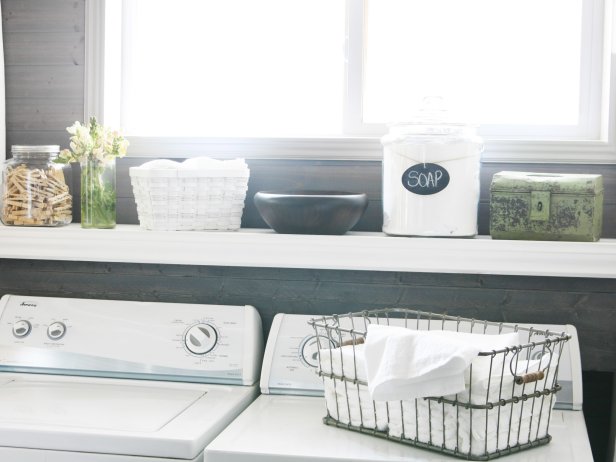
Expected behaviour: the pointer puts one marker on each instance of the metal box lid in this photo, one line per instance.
(556, 183)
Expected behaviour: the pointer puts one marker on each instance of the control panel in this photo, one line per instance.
(216, 343)
(292, 356)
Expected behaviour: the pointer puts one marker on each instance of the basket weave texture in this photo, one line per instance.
(184, 200)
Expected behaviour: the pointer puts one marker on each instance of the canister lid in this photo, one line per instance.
(50, 148)
(432, 119)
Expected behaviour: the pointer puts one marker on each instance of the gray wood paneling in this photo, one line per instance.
(44, 69)
(55, 82)
(37, 137)
(43, 15)
(43, 49)
(25, 114)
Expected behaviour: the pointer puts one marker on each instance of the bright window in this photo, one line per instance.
(527, 71)
(233, 68)
(490, 58)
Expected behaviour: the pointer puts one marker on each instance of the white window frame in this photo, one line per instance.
(363, 143)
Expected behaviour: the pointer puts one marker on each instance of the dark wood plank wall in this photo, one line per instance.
(44, 67)
(44, 57)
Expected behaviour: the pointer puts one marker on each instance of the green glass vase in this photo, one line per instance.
(98, 194)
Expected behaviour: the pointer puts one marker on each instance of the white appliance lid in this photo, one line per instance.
(95, 406)
(115, 416)
(290, 429)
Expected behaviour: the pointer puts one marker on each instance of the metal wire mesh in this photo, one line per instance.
(505, 408)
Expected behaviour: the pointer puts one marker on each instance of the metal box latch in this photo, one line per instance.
(540, 205)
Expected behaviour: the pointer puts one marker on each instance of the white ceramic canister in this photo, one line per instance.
(431, 179)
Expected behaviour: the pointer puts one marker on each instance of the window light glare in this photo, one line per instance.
(234, 68)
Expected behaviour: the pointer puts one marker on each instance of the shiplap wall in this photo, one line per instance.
(44, 57)
(44, 65)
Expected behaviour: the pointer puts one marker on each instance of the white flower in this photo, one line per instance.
(93, 142)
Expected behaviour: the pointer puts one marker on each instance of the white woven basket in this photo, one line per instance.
(182, 200)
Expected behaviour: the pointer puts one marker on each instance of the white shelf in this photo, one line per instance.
(353, 251)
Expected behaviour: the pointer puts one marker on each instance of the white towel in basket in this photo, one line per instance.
(403, 363)
(424, 421)
(441, 424)
(349, 402)
(348, 361)
(514, 423)
(499, 383)
(518, 423)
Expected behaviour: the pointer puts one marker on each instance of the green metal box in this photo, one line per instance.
(546, 207)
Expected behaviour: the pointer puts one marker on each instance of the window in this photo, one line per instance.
(303, 78)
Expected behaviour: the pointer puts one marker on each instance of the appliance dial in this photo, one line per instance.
(56, 330)
(22, 328)
(200, 338)
(309, 349)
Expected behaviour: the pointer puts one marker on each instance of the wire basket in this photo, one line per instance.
(505, 407)
(172, 199)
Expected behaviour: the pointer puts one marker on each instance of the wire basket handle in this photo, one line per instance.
(530, 377)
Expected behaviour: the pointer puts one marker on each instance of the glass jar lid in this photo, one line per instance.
(49, 149)
(432, 120)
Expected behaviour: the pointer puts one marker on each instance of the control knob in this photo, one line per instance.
(22, 328)
(200, 338)
(309, 349)
(56, 330)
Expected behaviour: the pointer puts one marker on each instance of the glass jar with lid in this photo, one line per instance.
(431, 178)
(35, 190)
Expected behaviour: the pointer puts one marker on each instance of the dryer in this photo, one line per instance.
(118, 381)
(286, 424)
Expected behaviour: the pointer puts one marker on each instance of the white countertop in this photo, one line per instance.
(353, 251)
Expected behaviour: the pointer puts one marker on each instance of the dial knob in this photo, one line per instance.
(22, 328)
(309, 349)
(56, 330)
(201, 338)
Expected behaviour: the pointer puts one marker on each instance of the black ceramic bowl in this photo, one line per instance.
(311, 212)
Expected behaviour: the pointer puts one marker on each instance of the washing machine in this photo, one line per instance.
(117, 381)
(286, 424)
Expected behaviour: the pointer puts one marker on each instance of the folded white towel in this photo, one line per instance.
(422, 420)
(161, 164)
(481, 431)
(477, 431)
(500, 383)
(195, 163)
(503, 426)
(347, 361)
(350, 403)
(207, 163)
(403, 363)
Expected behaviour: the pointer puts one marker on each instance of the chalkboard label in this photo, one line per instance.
(425, 179)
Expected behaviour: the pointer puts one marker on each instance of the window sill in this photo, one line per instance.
(363, 148)
(353, 251)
